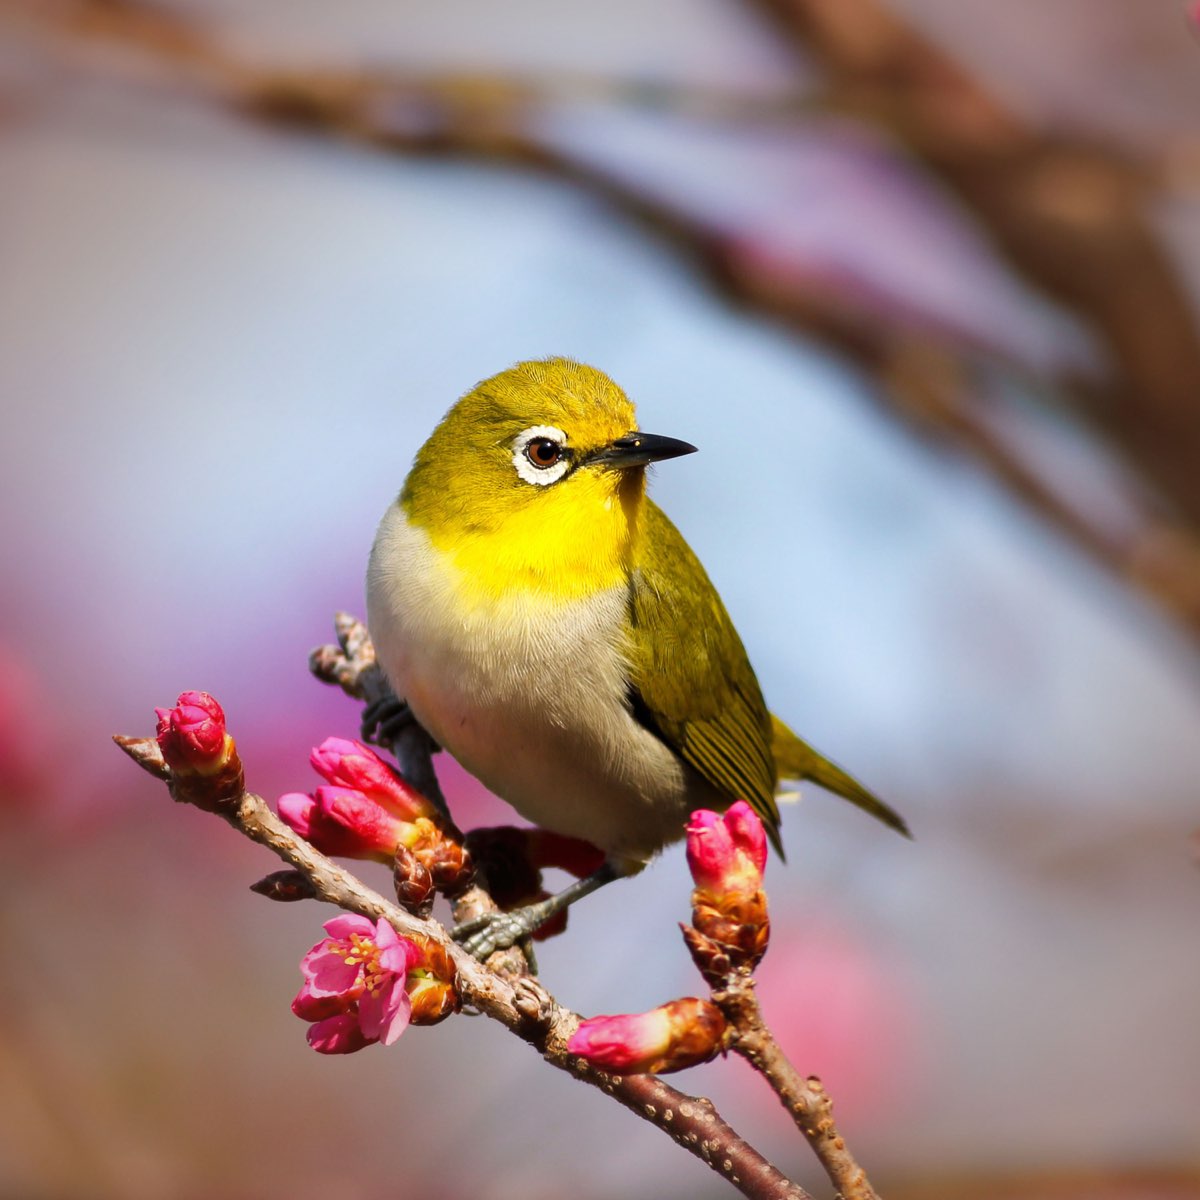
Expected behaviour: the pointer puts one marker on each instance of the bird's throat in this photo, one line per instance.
(570, 543)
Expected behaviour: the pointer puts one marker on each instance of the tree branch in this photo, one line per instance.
(805, 1098)
(1070, 214)
(1074, 216)
(521, 1004)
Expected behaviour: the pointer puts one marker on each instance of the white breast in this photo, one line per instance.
(529, 694)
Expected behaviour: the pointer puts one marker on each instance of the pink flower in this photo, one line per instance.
(192, 735)
(352, 765)
(354, 991)
(343, 822)
(727, 854)
(669, 1038)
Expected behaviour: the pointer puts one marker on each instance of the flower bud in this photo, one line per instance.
(711, 958)
(448, 862)
(668, 1038)
(431, 986)
(727, 854)
(352, 765)
(205, 767)
(344, 823)
(285, 886)
(414, 884)
(192, 735)
(740, 927)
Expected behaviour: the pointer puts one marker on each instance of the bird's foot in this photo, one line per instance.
(383, 720)
(484, 935)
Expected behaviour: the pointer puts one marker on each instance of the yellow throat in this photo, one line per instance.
(505, 537)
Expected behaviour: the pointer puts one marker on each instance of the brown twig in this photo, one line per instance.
(804, 1097)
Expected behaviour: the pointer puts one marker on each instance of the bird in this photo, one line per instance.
(547, 624)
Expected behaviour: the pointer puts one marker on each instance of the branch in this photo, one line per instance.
(1070, 214)
(1074, 216)
(521, 1005)
(805, 1098)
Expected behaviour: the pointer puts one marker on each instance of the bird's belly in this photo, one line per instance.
(530, 695)
(626, 797)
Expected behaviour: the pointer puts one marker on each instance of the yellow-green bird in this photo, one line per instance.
(550, 627)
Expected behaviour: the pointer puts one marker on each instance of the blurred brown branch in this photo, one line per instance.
(1073, 216)
(1070, 215)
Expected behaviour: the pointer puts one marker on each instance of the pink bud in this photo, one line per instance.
(192, 735)
(668, 1038)
(727, 854)
(297, 809)
(377, 831)
(352, 765)
(345, 823)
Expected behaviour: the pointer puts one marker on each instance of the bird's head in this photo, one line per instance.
(535, 478)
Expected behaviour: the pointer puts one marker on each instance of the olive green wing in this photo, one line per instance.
(690, 680)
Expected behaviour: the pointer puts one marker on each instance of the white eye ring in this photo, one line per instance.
(526, 468)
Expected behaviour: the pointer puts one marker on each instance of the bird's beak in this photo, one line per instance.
(638, 449)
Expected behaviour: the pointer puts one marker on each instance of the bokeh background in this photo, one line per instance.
(919, 278)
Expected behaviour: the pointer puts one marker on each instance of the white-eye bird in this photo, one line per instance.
(550, 628)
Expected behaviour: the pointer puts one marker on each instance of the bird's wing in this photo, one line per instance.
(796, 759)
(691, 683)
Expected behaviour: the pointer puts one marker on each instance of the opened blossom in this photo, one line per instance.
(355, 985)
(668, 1038)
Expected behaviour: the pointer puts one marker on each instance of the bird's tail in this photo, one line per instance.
(796, 759)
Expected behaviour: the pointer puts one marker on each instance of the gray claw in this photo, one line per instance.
(483, 936)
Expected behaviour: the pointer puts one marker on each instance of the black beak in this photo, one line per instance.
(639, 449)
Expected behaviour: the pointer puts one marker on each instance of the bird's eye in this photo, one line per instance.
(543, 452)
(540, 455)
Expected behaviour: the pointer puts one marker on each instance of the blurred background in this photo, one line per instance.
(919, 278)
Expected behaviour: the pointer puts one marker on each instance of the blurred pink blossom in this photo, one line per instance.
(25, 736)
(846, 1009)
